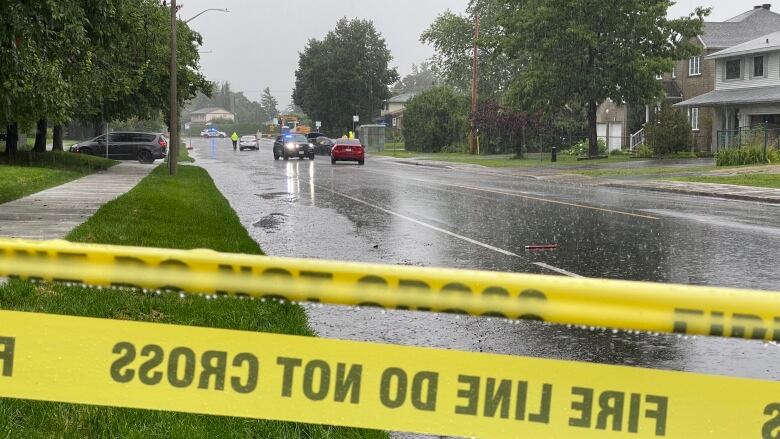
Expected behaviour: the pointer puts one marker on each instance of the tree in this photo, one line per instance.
(421, 78)
(452, 37)
(590, 50)
(669, 131)
(346, 73)
(436, 119)
(269, 103)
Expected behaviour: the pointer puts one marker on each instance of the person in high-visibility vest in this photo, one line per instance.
(234, 138)
(351, 134)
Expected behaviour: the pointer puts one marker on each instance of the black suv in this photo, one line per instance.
(144, 147)
(293, 145)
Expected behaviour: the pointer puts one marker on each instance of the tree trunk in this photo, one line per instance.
(11, 142)
(57, 146)
(40, 136)
(593, 141)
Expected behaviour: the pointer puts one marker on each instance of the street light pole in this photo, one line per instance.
(173, 148)
(204, 11)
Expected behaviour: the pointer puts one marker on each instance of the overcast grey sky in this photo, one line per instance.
(256, 45)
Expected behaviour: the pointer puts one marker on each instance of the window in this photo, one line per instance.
(694, 66)
(694, 115)
(734, 69)
(758, 67)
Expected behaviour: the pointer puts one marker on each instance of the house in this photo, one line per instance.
(205, 115)
(392, 113)
(621, 124)
(747, 89)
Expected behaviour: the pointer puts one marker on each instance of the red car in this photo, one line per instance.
(347, 150)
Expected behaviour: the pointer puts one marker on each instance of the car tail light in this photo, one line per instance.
(163, 143)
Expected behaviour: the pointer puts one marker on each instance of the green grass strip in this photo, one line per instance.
(186, 212)
(31, 172)
(755, 180)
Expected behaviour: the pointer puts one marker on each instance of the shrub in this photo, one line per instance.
(669, 131)
(580, 149)
(645, 151)
(436, 119)
(746, 156)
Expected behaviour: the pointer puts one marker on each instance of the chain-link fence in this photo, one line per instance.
(764, 136)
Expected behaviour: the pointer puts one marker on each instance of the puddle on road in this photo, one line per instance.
(271, 222)
(288, 197)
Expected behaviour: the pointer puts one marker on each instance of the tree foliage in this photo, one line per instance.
(589, 50)
(420, 79)
(269, 103)
(452, 37)
(346, 73)
(436, 119)
(91, 60)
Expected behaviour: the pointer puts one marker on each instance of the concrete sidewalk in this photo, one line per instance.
(54, 212)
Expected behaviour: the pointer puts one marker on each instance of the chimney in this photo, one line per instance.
(767, 6)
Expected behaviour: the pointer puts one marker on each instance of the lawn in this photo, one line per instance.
(757, 180)
(628, 172)
(33, 172)
(186, 211)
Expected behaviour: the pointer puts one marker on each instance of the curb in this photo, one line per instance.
(738, 197)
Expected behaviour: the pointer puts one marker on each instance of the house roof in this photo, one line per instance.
(211, 110)
(741, 96)
(764, 43)
(402, 98)
(742, 28)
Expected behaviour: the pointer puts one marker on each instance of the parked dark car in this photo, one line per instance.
(293, 145)
(322, 145)
(144, 147)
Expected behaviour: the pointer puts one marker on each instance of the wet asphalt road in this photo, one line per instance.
(396, 213)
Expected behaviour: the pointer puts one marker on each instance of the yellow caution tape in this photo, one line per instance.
(291, 378)
(589, 302)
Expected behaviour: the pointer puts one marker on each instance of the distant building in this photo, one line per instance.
(392, 113)
(621, 124)
(205, 115)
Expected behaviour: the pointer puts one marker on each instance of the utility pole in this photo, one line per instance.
(173, 148)
(474, 86)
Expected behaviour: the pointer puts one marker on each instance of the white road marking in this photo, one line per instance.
(420, 223)
(446, 232)
(556, 269)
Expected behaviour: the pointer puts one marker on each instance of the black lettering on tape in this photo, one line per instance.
(289, 365)
(181, 358)
(717, 326)
(425, 400)
(214, 364)
(387, 389)
(68, 257)
(313, 368)
(771, 428)
(532, 295)
(543, 417)
(583, 406)
(119, 368)
(748, 326)
(470, 393)
(253, 366)
(372, 280)
(495, 291)
(683, 317)
(348, 383)
(177, 265)
(610, 406)
(8, 345)
(156, 356)
(497, 397)
(633, 413)
(659, 413)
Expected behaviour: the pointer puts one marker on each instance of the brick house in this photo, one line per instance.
(621, 124)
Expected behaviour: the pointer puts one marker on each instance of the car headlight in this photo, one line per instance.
(290, 146)
(311, 145)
